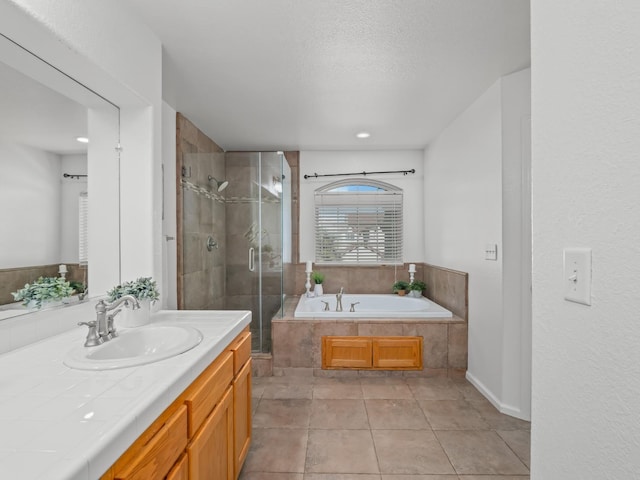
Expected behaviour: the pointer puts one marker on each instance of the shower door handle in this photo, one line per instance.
(252, 262)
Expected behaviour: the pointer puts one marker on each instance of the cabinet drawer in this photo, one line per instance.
(207, 390)
(241, 349)
(158, 456)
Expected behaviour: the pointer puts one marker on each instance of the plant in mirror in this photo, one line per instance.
(44, 176)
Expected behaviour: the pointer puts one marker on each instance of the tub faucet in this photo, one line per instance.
(339, 300)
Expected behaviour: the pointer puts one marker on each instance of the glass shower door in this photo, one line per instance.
(254, 239)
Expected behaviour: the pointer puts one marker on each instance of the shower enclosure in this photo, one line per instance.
(236, 235)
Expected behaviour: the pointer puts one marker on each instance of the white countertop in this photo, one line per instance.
(61, 423)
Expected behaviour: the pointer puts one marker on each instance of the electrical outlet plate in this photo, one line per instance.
(577, 275)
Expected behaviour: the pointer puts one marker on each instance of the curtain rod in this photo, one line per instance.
(315, 175)
(73, 175)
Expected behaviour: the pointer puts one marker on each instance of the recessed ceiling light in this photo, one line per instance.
(82, 139)
(363, 135)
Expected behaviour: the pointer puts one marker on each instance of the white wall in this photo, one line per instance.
(30, 195)
(103, 47)
(69, 206)
(325, 162)
(586, 193)
(463, 212)
(515, 396)
(475, 181)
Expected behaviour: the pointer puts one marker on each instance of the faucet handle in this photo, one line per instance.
(111, 328)
(353, 305)
(326, 306)
(93, 339)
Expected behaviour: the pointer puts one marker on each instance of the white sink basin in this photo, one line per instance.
(135, 347)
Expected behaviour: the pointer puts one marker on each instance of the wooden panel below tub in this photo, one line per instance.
(372, 353)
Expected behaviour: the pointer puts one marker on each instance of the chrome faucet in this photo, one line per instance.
(339, 300)
(102, 328)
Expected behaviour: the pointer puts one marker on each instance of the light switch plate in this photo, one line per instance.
(577, 275)
(491, 251)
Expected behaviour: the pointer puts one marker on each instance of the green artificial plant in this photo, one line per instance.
(42, 290)
(141, 289)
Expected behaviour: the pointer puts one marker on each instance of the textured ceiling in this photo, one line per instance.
(309, 74)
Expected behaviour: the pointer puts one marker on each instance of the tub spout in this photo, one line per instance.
(339, 300)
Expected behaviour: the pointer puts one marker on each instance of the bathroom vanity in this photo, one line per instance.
(185, 417)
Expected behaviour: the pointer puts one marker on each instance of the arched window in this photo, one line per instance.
(358, 221)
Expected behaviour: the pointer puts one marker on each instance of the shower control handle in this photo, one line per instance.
(252, 262)
(211, 244)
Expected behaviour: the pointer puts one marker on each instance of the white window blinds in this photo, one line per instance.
(358, 227)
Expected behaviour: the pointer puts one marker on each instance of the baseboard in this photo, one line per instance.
(501, 407)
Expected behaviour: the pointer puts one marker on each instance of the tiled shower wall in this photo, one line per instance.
(293, 159)
(201, 213)
(212, 280)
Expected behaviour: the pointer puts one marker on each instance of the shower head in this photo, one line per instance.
(221, 185)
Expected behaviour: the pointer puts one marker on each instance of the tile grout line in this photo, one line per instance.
(373, 441)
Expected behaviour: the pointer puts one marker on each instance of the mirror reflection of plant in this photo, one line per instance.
(79, 287)
(42, 290)
(417, 285)
(141, 288)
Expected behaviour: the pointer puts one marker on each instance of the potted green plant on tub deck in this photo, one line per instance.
(145, 290)
(401, 287)
(417, 288)
(317, 278)
(45, 290)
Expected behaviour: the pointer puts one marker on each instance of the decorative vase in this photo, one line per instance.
(130, 318)
(402, 293)
(415, 293)
(317, 290)
(32, 305)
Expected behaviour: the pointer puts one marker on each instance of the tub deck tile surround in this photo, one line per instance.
(297, 341)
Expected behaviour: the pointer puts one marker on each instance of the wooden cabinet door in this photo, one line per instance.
(242, 415)
(180, 470)
(346, 352)
(211, 450)
(397, 353)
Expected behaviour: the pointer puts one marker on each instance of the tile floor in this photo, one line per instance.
(381, 428)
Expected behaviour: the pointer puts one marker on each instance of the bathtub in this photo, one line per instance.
(370, 306)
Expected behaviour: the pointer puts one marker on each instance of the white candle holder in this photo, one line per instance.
(412, 272)
(308, 283)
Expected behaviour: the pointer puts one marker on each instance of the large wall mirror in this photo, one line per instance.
(51, 207)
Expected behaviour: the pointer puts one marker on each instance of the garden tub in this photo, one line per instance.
(370, 306)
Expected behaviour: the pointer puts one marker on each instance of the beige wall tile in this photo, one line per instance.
(292, 344)
(458, 345)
